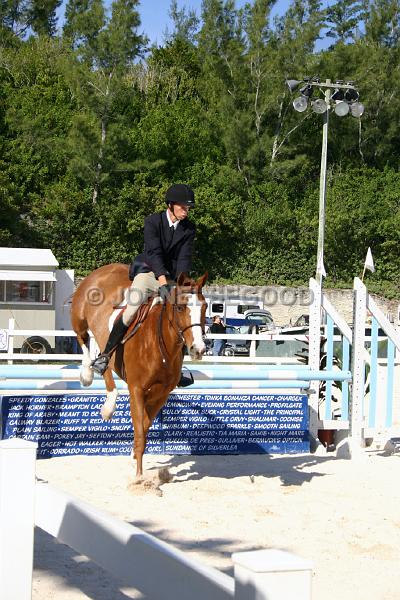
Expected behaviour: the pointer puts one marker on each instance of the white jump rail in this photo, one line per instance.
(132, 556)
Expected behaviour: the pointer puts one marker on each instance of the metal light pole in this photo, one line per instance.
(322, 191)
(343, 100)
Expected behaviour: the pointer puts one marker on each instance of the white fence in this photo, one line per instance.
(132, 556)
(11, 332)
(363, 416)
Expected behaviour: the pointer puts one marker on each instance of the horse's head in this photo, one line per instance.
(190, 307)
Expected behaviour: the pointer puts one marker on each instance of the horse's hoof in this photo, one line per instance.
(152, 486)
(86, 376)
(107, 411)
(139, 479)
(150, 483)
(140, 486)
(164, 475)
(106, 415)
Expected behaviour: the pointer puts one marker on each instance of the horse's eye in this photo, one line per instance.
(180, 308)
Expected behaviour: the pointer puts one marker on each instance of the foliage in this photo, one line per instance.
(94, 128)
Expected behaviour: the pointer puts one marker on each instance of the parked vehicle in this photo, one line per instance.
(232, 347)
(254, 321)
(34, 293)
(232, 309)
(257, 321)
(235, 347)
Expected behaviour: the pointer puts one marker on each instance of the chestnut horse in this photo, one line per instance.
(151, 360)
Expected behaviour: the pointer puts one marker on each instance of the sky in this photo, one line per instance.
(155, 20)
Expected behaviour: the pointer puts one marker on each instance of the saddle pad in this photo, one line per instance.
(121, 307)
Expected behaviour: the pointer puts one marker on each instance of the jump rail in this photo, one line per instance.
(207, 374)
(131, 555)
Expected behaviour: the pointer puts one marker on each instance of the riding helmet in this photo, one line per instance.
(180, 193)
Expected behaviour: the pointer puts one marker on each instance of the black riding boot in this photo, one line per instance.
(100, 364)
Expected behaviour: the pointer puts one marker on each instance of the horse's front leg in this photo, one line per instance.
(154, 399)
(110, 404)
(137, 413)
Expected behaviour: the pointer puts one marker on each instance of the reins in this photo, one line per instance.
(180, 332)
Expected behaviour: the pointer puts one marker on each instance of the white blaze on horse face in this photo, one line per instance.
(194, 306)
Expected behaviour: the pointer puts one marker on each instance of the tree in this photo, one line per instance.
(105, 52)
(382, 23)
(20, 17)
(343, 18)
(185, 23)
(37, 112)
(84, 19)
(296, 34)
(13, 19)
(41, 16)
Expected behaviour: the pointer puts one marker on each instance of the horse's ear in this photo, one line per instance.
(181, 279)
(201, 280)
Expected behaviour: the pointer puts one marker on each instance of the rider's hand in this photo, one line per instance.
(164, 291)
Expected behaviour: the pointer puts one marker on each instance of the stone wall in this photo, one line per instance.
(286, 304)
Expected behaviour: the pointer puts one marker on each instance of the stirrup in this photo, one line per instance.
(185, 381)
(100, 364)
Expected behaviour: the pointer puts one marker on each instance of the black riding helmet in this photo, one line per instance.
(180, 193)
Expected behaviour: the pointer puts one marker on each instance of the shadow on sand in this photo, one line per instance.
(290, 469)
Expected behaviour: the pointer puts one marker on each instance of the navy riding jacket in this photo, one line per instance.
(161, 255)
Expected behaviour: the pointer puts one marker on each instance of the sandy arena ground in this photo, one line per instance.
(343, 515)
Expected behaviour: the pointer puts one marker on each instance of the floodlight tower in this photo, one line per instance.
(342, 101)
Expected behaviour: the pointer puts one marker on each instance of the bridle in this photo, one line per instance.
(179, 331)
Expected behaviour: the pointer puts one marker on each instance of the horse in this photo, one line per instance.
(150, 359)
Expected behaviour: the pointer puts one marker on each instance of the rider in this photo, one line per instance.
(168, 250)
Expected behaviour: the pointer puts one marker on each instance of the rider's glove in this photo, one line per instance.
(164, 291)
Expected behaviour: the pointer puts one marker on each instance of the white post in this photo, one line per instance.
(17, 517)
(11, 327)
(272, 575)
(356, 408)
(314, 350)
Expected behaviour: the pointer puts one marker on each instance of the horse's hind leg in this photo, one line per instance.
(110, 404)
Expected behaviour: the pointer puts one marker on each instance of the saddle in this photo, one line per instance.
(139, 317)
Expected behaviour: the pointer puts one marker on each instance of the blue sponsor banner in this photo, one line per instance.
(212, 423)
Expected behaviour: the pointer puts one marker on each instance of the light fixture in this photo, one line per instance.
(337, 95)
(351, 95)
(357, 109)
(307, 90)
(292, 84)
(342, 108)
(319, 106)
(300, 104)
